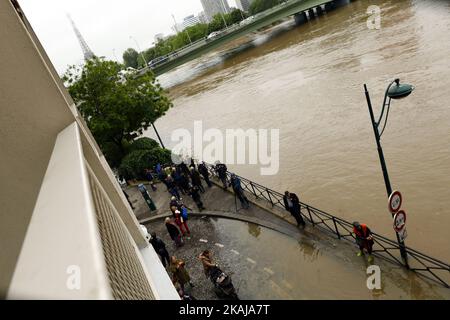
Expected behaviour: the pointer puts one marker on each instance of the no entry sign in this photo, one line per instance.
(395, 202)
(399, 220)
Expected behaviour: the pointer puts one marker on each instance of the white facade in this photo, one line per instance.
(243, 5)
(213, 7)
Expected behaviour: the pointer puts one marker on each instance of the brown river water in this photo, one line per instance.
(307, 81)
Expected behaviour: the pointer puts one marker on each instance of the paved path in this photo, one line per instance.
(254, 258)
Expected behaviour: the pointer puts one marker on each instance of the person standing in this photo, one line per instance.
(235, 183)
(173, 232)
(364, 239)
(195, 194)
(221, 170)
(160, 248)
(181, 223)
(205, 173)
(287, 201)
(179, 272)
(149, 177)
(197, 180)
(296, 212)
(172, 187)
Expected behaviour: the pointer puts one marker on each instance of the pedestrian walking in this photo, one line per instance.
(364, 239)
(195, 194)
(181, 223)
(196, 179)
(235, 183)
(179, 273)
(160, 248)
(173, 232)
(296, 212)
(205, 173)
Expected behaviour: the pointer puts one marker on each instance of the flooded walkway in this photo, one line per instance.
(268, 264)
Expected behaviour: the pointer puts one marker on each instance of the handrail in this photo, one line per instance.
(384, 247)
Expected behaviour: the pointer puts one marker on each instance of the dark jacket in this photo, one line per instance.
(286, 203)
(173, 231)
(158, 245)
(203, 170)
(295, 203)
(196, 180)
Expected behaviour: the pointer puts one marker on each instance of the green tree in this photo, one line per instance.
(117, 108)
(262, 5)
(130, 57)
(144, 153)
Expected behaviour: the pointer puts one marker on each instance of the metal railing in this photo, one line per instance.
(383, 247)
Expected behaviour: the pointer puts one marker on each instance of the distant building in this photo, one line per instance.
(243, 5)
(159, 37)
(202, 17)
(187, 22)
(190, 21)
(213, 7)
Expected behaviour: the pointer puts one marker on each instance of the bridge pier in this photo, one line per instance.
(311, 14)
(300, 17)
(341, 3)
(330, 6)
(319, 11)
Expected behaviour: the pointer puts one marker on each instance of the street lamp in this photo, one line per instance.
(159, 138)
(395, 90)
(143, 58)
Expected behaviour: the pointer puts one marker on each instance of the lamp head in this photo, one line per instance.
(400, 90)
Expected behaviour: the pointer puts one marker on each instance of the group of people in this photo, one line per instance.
(181, 179)
(176, 267)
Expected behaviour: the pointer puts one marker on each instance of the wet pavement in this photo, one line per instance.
(278, 261)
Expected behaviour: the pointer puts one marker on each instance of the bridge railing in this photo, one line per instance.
(383, 247)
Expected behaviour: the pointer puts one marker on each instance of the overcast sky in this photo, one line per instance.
(105, 24)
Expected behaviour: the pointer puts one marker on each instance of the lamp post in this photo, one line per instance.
(143, 58)
(159, 138)
(397, 91)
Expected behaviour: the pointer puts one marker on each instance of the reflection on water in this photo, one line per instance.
(308, 81)
(271, 265)
(254, 229)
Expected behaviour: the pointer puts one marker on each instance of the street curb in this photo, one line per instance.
(232, 216)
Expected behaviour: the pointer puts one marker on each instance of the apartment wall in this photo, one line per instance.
(34, 108)
(29, 124)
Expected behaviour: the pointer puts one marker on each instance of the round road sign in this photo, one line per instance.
(399, 220)
(395, 201)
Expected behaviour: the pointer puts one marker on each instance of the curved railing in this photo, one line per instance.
(385, 248)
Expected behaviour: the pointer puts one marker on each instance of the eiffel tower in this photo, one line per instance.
(88, 54)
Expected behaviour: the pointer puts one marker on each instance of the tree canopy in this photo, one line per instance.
(130, 58)
(116, 106)
(262, 5)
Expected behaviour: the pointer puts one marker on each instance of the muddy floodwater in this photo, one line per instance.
(307, 81)
(265, 264)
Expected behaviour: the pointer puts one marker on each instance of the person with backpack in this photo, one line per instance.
(181, 223)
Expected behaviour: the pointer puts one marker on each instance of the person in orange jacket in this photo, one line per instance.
(364, 239)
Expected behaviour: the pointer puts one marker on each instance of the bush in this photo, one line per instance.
(134, 163)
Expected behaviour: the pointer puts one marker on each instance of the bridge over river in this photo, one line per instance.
(302, 10)
(270, 258)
